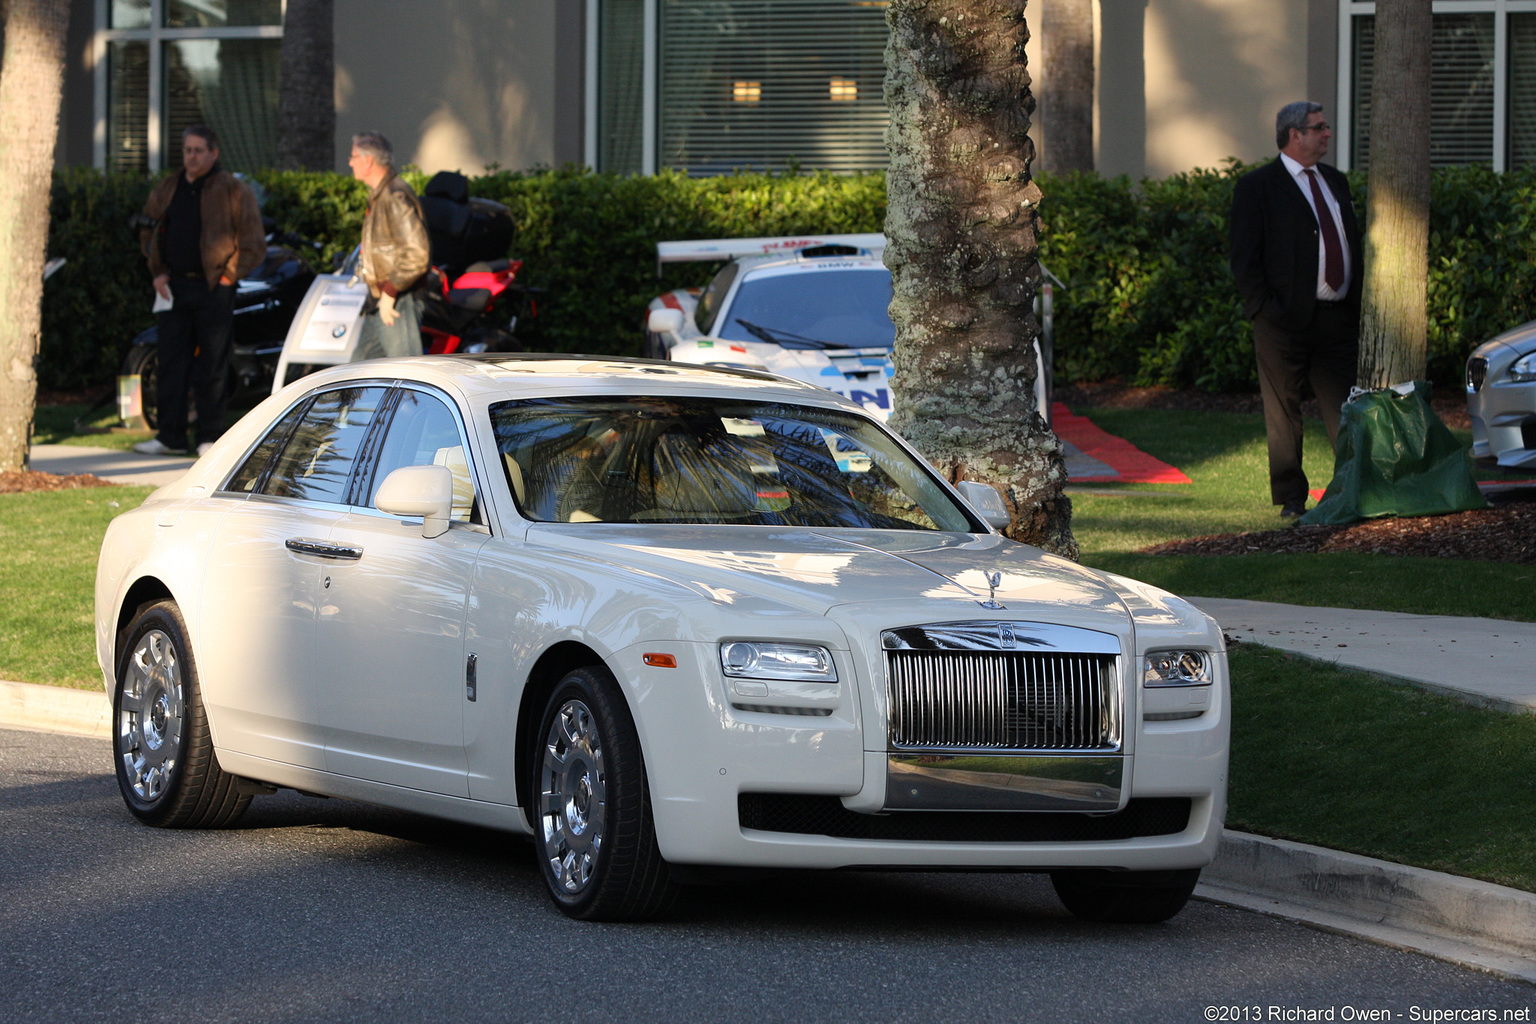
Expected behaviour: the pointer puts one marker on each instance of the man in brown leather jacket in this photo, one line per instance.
(395, 253)
(207, 235)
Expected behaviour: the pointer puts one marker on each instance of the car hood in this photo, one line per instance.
(1516, 341)
(915, 576)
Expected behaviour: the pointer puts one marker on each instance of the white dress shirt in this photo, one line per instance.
(1298, 175)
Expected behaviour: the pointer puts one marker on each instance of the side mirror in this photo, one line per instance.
(664, 321)
(425, 491)
(985, 500)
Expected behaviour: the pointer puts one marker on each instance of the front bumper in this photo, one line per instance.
(769, 787)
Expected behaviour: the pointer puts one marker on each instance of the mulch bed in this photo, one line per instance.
(35, 480)
(1504, 533)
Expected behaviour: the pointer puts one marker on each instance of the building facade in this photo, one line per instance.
(708, 86)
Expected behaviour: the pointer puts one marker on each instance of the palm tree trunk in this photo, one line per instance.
(31, 83)
(306, 101)
(1394, 312)
(1066, 87)
(961, 225)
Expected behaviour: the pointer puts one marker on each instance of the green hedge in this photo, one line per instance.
(1148, 296)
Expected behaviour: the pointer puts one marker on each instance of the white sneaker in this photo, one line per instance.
(154, 447)
(203, 448)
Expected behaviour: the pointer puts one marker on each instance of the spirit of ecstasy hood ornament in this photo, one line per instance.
(994, 579)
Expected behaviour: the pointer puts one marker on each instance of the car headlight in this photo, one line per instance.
(1523, 370)
(1177, 668)
(760, 659)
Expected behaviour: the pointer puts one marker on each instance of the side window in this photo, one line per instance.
(709, 302)
(424, 432)
(317, 461)
(246, 477)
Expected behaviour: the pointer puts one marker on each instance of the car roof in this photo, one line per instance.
(498, 376)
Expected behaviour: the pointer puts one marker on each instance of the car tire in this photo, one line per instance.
(593, 828)
(1124, 897)
(166, 767)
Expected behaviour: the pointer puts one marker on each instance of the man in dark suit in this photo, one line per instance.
(1295, 251)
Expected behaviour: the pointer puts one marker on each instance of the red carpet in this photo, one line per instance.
(1129, 464)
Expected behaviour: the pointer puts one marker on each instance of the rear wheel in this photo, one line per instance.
(1125, 897)
(593, 824)
(166, 767)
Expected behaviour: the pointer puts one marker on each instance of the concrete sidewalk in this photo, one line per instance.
(1490, 662)
(109, 464)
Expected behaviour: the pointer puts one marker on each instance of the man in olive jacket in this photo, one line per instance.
(394, 256)
(206, 235)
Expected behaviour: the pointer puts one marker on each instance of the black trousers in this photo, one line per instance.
(1326, 354)
(194, 351)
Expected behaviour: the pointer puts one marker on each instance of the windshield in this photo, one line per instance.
(695, 460)
(841, 308)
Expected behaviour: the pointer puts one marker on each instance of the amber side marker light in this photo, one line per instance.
(659, 660)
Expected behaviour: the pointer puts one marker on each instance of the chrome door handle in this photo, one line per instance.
(321, 549)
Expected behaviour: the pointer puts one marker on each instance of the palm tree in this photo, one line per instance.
(961, 225)
(31, 84)
(306, 102)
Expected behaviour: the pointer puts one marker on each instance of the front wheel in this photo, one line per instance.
(166, 767)
(1124, 897)
(593, 824)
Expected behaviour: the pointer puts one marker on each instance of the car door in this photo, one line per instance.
(391, 652)
(266, 569)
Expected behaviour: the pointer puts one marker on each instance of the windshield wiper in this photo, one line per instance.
(774, 336)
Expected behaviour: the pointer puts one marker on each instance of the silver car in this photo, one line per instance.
(1501, 398)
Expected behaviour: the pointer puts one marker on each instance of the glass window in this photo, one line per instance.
(230, 84)
(1461, 89)
(764, 84)
(175, 63)
(128, 107)
(709, 302)
(1522, 89)
(316, 463)
(249, 474)
(743, 84)
(692, 460)
(221, 13)
(621, 70)
(424, 432)
(814, 309)
(128, 14)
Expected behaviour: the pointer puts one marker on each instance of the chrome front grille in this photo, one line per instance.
(1477, 372)
(948, 700)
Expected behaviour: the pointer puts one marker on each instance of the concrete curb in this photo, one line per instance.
(1461, 920)
(55, 709)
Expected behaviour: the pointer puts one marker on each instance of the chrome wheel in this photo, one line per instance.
(573, 796)
(151, 714)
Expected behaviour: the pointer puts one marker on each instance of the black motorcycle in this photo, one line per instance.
(266, 300)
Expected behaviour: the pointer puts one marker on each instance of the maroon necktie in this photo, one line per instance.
(1333, 253)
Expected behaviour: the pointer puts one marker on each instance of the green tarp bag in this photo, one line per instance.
(1394, 458)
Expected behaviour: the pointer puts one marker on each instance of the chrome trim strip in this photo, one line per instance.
(984, 635)
(320, 549)
(982, 782)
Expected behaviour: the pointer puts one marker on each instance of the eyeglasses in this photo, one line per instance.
(1321, 126)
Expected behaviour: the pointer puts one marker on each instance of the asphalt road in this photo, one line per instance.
(322, 910)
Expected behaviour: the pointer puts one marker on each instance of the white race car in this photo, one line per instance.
(813, 308)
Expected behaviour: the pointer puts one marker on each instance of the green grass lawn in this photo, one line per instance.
(1348, 761)
(47, 580)
(82, 425)
(1223, 454)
